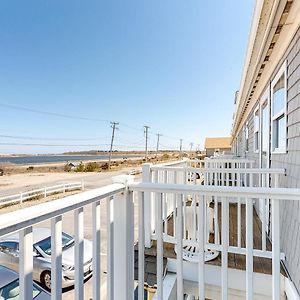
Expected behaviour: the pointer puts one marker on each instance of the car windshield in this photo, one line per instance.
(45, 244)
(12, 291)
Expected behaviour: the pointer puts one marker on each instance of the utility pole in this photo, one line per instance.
(113, 126)
(157, 145)
(191, 144)
(180, 148)
(146, 140)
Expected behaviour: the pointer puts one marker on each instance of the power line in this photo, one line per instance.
(53, 145)
(51, 113)
(75, 117)
(49, 139)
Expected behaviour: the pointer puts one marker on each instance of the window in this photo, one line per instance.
(9, 247)
(278, 108)
(256, 129)
(12, 290)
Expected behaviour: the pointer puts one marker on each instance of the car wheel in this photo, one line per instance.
(46, 280)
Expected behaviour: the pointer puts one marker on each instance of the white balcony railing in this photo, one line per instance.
(200, 194)
(120, 227)
(229, 173)
(23, 220)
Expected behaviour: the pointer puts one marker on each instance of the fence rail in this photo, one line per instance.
(41, 192)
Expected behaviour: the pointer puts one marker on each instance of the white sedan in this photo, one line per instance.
(9, 256)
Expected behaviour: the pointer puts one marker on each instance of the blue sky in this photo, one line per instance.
(173, 65)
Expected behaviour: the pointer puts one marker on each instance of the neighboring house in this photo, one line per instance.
(217, 145)
(266, 125)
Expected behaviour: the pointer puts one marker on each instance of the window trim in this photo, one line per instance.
(282, 112)
(265, 102)
(256, 112)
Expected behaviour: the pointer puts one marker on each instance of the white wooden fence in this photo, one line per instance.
(43, 192)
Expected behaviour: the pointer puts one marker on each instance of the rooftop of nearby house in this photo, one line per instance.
(217, 143)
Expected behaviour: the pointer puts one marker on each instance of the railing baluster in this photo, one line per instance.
(263, 227)
(141, 263)
(179, 238)
(249, 249)
(194, 217)
(96, 250)
(224, 270)
(184, 217)
(173, 197)
(159, 225)
(275, 245)
(165, 205)
(56, 258)
(201, 246)
(110, 247)
(216, 222)
(26, 263)
(79, 226)
(239, 222)
(149, 212)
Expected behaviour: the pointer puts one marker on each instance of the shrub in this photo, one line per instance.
(165, 156)
(67, 167)
(91, 167)
(104, 166)
(80, 167)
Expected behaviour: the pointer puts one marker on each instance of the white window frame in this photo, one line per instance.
(256, 130)
(265, 100)
(283, 112)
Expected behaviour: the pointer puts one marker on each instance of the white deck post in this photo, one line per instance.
(141, 262)
(96, 250)
(224, 255)
(201, 245)
(146, 169)
(26, 264)
(249, 249)
(79, 235)
(123, 251)
(275, 246)
(110, 246)
(179, 237)
(56, 258)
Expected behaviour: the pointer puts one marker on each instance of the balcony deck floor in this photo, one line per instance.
(236, 261)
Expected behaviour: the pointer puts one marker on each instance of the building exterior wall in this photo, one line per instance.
(290, 161)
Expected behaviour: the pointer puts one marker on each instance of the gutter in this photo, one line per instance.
(262, 58)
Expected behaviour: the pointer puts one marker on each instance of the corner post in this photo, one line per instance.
(123, 249)
(146, 169)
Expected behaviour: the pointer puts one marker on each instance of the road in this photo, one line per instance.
(12, 184)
